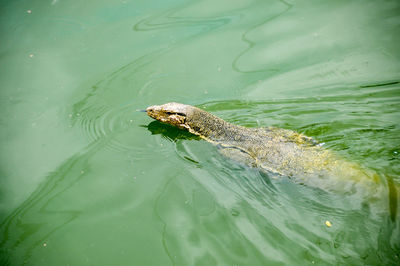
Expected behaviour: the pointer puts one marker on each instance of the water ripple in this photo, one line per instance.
(23, 226)
(251, 44)
(171, 21)
(99, 122)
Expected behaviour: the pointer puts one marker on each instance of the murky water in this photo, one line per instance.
(86, 179)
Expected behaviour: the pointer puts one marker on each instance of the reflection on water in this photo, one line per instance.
(29, 224)
(144, 193)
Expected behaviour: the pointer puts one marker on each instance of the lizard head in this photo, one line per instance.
(171, 113)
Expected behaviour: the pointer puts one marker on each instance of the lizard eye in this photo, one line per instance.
(172, 113)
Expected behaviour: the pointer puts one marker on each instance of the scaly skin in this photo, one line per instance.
(280, 151)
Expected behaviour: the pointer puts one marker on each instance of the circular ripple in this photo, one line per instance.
(108, 124)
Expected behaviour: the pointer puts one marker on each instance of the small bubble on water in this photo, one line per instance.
(327, 223)
(29, 11)
(44, 245)
(395, 152)
(31, 55)
(70, 115)
(131, 121)
(82, 172)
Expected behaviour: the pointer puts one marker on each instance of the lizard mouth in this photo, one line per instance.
(153, 111)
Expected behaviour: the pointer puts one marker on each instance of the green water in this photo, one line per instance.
(88, 180)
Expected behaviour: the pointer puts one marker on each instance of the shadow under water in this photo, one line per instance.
(170, 132)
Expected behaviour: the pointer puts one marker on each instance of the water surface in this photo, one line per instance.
(88, 180)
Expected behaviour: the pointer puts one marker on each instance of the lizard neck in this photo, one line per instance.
(211, 127)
